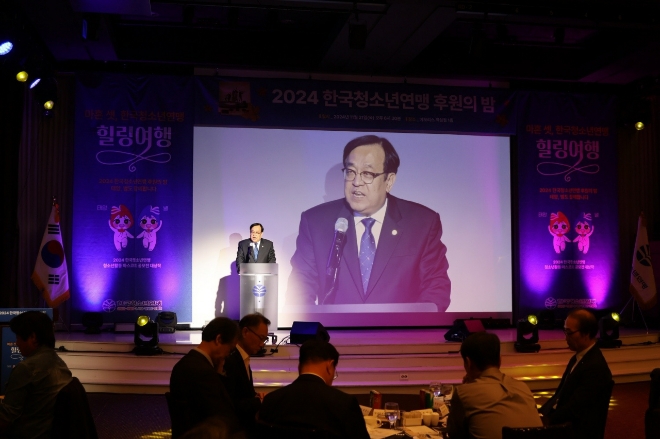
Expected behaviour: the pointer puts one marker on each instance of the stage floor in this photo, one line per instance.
(388, 360)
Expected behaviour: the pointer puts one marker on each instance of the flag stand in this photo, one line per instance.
(634, 302)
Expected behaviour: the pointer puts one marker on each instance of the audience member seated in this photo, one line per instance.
(252, 335)
(196, 384)
(311, 401)
(584, 391)
(488, 399)
(29, 403)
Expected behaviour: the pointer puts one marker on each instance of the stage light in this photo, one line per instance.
(639, 126)
(35, 83)
(5, 47)
(22, 76)
(45, 92)
(608, 331)
(92, 321)
(145, 336)
(527, 335)
(166, 322)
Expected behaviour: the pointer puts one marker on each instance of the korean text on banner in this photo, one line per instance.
(50, 273)
(642, 282)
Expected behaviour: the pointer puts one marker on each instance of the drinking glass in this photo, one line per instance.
(392, 413)
(436, 388)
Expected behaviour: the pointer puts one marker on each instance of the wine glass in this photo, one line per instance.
(436, 388)
(392, 413)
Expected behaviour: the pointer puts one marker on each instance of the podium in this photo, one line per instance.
(258, 291)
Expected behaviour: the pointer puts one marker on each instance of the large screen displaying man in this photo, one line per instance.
(388, 250)
(441, 211)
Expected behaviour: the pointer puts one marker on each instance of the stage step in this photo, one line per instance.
(109, 365)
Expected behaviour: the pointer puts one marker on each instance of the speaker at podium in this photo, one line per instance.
(258, 290)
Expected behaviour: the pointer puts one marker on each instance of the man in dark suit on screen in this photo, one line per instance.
(583, 394)
(255, 249)
(311, 401)
(393, 251)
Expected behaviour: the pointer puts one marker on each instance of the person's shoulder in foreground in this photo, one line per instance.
(311, 401)
(488, 400)
(29, 403)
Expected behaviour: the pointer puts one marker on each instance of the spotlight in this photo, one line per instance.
(166, 322)
(92, 321)
(5, 47)
(45, 92)
(608, 331)
(22, 76)
(527, 335)
(639, 126)
(145, 336)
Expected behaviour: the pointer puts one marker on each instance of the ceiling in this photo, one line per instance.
(582, 42)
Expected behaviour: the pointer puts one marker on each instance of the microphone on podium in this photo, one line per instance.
(336, 250)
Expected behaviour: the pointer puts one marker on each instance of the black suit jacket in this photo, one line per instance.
(245, 253)
(310, 402)
(410, 264)
(580, 396)
(241, 390)
(195, 381)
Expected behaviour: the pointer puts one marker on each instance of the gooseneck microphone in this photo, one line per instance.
(336, 250)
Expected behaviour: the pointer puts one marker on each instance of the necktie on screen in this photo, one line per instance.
(256, 251)
(367, 252)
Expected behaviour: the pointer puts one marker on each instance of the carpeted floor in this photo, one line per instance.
(124, 416)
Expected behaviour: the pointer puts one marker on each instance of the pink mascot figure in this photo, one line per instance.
(558, 228)
(120, 221)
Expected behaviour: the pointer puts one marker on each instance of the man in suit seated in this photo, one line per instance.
(311, 401)
(585, 386)
(255, 249)
(393, 251)
(253, 334)
(29, 403)
(196, 378)
(488, 399)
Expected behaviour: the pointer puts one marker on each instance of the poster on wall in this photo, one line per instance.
(568, 217)
(133, 196)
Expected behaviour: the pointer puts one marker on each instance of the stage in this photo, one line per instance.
(387, 360)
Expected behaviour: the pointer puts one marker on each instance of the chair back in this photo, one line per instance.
(264, 429)
(72, 417)
(652, 415)
(559, 431)
(179, 415)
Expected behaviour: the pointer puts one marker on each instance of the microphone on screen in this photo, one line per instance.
(336, 250)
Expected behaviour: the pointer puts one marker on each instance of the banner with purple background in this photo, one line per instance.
(132, 214)
(568, 218)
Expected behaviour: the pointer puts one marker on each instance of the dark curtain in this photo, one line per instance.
(44, 170)
(11, 112)
(639, 189)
